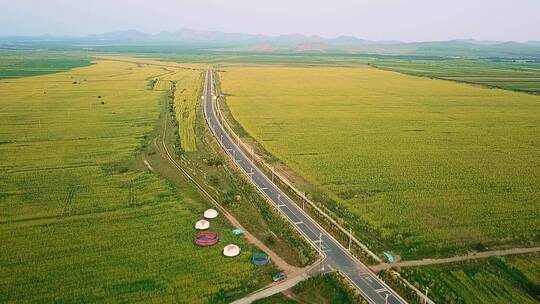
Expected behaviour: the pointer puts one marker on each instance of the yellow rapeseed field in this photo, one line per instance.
(79, 222)
(432, 167)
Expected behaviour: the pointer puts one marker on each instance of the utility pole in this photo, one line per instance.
(386, 298)
(427, 290)
(350, 238)
(320, 249)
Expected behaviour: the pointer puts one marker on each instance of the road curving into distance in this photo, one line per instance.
(336, 256)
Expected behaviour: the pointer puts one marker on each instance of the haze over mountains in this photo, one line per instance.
(216, 40)
(206, 37)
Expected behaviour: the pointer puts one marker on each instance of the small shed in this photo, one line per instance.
(238, 232)
(389, 256)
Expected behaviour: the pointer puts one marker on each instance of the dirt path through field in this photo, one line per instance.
(471, 256)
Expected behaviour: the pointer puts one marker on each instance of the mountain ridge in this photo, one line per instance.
(299, 43)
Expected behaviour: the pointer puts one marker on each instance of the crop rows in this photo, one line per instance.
(513, 279)
(511, 76)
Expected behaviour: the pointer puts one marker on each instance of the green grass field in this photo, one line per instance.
(81, 220)
(419, 167)
(16, 64)
(511, 76)
(513, 279)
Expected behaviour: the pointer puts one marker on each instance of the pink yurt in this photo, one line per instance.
(206, 239)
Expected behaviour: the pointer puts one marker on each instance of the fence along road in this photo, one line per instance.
(336, 256)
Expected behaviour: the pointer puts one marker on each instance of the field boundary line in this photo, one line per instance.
(257, 160)
(134, 61)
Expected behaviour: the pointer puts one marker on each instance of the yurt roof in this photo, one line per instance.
(210, 213)
(231, 250)
(202, 224)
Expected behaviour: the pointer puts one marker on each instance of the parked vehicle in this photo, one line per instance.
(280, 276)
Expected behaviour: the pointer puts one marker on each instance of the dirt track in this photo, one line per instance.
(471, 256)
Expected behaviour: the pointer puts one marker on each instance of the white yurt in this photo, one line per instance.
(210, 214)
(231, 250)
(202, 225)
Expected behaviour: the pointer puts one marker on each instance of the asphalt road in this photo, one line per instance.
(337, 257)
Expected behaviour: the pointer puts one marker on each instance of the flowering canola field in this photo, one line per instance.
(420, 167)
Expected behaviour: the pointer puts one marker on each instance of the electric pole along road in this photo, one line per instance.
(337, 257)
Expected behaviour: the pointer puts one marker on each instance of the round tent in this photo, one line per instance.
(260, 259)
(202, 225)
(206, 239)
(231, 250)
(210, 214)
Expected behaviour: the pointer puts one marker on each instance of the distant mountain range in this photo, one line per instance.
(216, 40)
(190, 36)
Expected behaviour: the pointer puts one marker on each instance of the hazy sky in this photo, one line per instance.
(407, 20)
